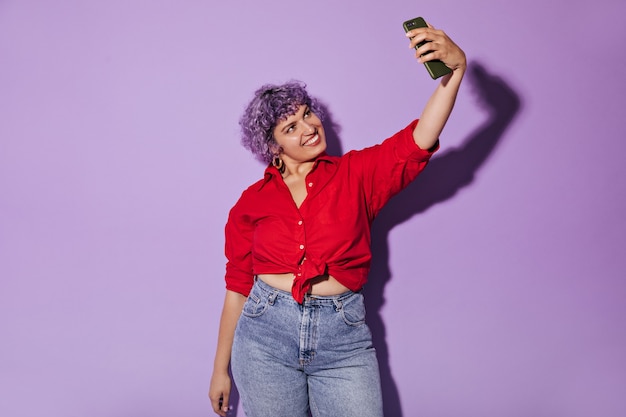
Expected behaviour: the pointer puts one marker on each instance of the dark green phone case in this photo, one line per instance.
(435, 68)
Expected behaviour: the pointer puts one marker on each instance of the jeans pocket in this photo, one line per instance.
(255, 306)
(353, 310)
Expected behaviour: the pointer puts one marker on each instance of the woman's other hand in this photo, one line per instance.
(219, 392)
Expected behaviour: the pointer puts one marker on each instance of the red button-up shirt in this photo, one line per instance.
(267, 233)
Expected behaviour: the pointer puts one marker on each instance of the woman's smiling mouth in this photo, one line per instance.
(313, 141)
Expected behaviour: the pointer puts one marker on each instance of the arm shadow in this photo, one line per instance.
(440, 181)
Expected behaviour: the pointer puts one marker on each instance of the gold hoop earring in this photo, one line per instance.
(278, 164)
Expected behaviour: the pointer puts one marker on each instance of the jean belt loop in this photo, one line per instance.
(272, 297)
(338, 304)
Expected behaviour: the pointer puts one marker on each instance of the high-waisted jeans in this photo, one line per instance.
(288, 357)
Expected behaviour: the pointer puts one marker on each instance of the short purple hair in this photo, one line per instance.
(272, 104)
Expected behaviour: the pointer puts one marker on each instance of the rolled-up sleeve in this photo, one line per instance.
(389, 167)
(238, 250)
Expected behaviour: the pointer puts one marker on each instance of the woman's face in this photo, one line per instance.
(300, 136)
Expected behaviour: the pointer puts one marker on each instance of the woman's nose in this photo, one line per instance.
(308, 128)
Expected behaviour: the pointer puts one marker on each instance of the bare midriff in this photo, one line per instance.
(324, 285)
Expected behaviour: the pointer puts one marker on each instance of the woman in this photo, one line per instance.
(298, 248)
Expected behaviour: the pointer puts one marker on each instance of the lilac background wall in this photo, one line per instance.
(499, 287)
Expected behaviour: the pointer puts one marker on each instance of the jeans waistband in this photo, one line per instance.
(308, 298)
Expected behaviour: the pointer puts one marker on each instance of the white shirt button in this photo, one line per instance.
(310, 184)
(301, 246)
(300, 223)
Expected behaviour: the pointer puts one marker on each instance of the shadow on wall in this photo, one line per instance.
(445, 175)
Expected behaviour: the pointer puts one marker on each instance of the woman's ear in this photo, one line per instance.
(275, 148)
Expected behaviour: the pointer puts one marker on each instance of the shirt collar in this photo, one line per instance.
(272, 173)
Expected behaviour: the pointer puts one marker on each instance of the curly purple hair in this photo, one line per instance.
(272, 104)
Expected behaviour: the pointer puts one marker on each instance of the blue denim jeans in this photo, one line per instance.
(288, 357)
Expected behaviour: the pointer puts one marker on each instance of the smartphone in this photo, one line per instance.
(435, 68)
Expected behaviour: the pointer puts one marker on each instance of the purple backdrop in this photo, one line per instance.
(498, 287)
